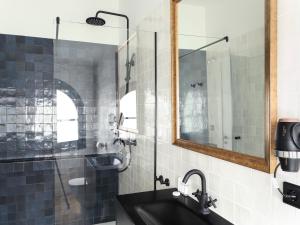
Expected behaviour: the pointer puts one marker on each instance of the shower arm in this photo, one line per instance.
(226, 38)
(127, 43)
(127, 25)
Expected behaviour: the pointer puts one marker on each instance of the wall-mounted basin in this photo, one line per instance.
(168, 212)
(104, 161)
(162, 208)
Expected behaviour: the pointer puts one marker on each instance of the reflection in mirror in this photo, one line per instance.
(222, 74)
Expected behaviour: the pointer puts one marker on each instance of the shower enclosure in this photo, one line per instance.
(72, 131)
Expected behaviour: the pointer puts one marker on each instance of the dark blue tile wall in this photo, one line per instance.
(26, 90)
(101, 191)
(31, 192)
(27, 193)
(28, 99)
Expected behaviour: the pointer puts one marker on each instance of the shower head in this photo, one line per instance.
(97, 21)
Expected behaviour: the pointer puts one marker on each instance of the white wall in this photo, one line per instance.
(245, 196)
(208, 19)
(37, 18)
(233, 17)
(288, 58)
(136, 177)
(137, 10)
(191, 26)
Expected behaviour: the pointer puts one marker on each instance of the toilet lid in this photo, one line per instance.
(77, 181)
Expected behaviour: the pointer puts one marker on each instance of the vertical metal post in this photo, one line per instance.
(55, 160)
(117, 82)
(155, 110)
(57, 27)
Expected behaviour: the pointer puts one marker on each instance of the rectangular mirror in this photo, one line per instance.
(224, 79)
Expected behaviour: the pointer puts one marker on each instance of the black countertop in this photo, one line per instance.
(129, 201)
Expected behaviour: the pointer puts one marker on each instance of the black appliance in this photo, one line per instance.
(288, 144)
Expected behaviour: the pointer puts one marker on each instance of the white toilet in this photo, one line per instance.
(77, 188)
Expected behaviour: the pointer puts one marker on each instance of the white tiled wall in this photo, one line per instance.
(248, 86)
(139, 176)
(245, 196)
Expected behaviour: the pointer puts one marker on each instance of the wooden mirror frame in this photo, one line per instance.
(268, 163)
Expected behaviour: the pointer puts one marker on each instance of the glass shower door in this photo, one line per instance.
(107, 153)
(61, 161)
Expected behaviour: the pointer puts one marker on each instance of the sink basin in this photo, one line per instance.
(104, 162)
(168, 213)
(162, 208)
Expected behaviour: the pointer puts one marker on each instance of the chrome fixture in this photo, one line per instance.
(130, 142)
(101, 146)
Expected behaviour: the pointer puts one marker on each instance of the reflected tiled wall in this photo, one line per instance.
(90, 204)
(39, 192)
(193, 104)
(26, 95)
(101, 190)
(27, 193)
(248, 92)
(90, 69)
(31, 70)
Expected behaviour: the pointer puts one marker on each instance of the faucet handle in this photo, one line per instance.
(211, 202)
(197, 193)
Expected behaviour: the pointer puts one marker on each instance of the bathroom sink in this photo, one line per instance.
(162, 208)
(168, 213)
(104, 161)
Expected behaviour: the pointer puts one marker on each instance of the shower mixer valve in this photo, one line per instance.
(162, 180)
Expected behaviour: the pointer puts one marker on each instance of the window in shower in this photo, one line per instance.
(67, 118)
(128, 108)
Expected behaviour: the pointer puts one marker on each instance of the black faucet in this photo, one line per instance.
(202, 196)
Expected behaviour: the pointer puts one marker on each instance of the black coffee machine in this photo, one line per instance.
(288, 144)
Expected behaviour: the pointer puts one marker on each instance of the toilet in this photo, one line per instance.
(77, 186)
